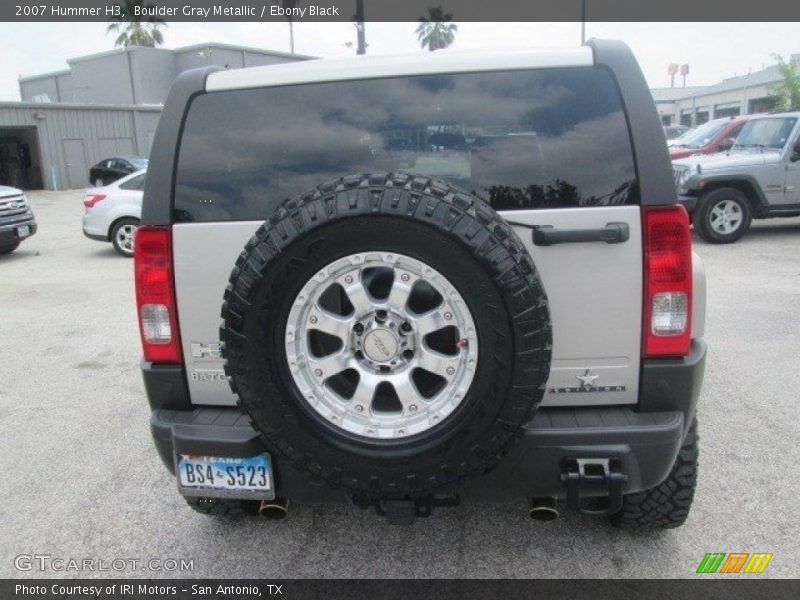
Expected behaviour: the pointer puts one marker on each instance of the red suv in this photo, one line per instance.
(714, 136)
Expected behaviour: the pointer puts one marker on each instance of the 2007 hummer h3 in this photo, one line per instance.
(407, 282)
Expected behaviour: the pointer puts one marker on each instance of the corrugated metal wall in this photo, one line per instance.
(62, 131)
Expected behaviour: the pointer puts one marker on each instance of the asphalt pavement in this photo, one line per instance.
(82, 480)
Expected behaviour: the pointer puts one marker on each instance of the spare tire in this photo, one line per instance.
(387, 334)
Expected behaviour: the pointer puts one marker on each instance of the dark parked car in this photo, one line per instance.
(109, 170)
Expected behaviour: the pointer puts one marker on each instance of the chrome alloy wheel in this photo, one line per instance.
(124, 238)
(381, 345)
(726, 217)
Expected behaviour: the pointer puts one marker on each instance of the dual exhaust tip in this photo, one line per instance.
(275, 509)
(543, 509)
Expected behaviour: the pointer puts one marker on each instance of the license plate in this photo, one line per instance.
(24, 231)
(222, 476)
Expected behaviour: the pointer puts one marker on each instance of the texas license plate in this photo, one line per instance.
(24, 231)
(249, 477)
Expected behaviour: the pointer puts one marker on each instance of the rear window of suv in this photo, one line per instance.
(553, 138)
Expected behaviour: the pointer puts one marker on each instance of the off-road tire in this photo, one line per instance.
(666, 505)
(461, 237)
(223, 507)
(702, 217)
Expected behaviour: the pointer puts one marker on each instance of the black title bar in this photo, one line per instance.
(708, 588)
(410, 10)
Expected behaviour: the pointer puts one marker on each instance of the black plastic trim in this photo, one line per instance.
(644, 444)
(688, 202)
(8, 231)
(645, 439)
(208, 431)
(612, 233)
(96, 237)
(165, 386)
(696, 181)
(159, 183)
(653, 167)
(673, 384)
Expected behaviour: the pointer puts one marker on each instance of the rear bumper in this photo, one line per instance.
(645, 438)
(97, 237)
(92, 229)
(9, 231)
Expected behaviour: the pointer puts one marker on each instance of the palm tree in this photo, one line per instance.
(436, 31)
(289, 6)
(135, 30)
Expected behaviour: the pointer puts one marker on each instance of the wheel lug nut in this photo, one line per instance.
(450, 370)
(358, 328)
(318, 372)
(405, 327)
(413, 408)
(380, 316)
(448, 316)
(313, 319)
(404, 277)
(359, 408)
(348, 279)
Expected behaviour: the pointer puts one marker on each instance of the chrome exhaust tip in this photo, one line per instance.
(543, 509)
(276, 509)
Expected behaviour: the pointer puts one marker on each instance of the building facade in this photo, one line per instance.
(104, 105)
(740, 95)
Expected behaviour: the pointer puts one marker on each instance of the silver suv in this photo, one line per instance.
(759, 178)
(407, 282)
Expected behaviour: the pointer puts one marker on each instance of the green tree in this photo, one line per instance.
(136, 30)
(787, 92)
(436, 31)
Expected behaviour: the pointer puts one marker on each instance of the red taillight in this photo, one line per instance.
(155, 294)
(90, 201)
(667, 281)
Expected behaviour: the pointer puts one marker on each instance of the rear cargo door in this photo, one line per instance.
(545, 147)
(595, 294)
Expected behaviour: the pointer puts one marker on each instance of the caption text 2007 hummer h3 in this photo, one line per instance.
(408, 282)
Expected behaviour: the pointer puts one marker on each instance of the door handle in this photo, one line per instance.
(612, 233)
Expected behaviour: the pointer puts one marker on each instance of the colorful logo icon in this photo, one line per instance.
(734, 562)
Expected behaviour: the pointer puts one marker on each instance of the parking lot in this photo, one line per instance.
(82, 479)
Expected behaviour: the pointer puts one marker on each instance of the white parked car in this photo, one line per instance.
(113, 212)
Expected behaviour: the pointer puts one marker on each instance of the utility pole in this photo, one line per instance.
(583, 22)
(362, 38)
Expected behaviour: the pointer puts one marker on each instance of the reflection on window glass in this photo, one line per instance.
(519, 140)
(766, 133)
(135, 183)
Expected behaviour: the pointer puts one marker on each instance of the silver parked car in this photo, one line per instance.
(113, 212)
(759, 178)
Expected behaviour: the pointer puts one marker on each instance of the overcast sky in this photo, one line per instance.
(714, 51)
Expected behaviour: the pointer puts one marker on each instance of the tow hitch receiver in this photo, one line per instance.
(582, 475)
(406, 511)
